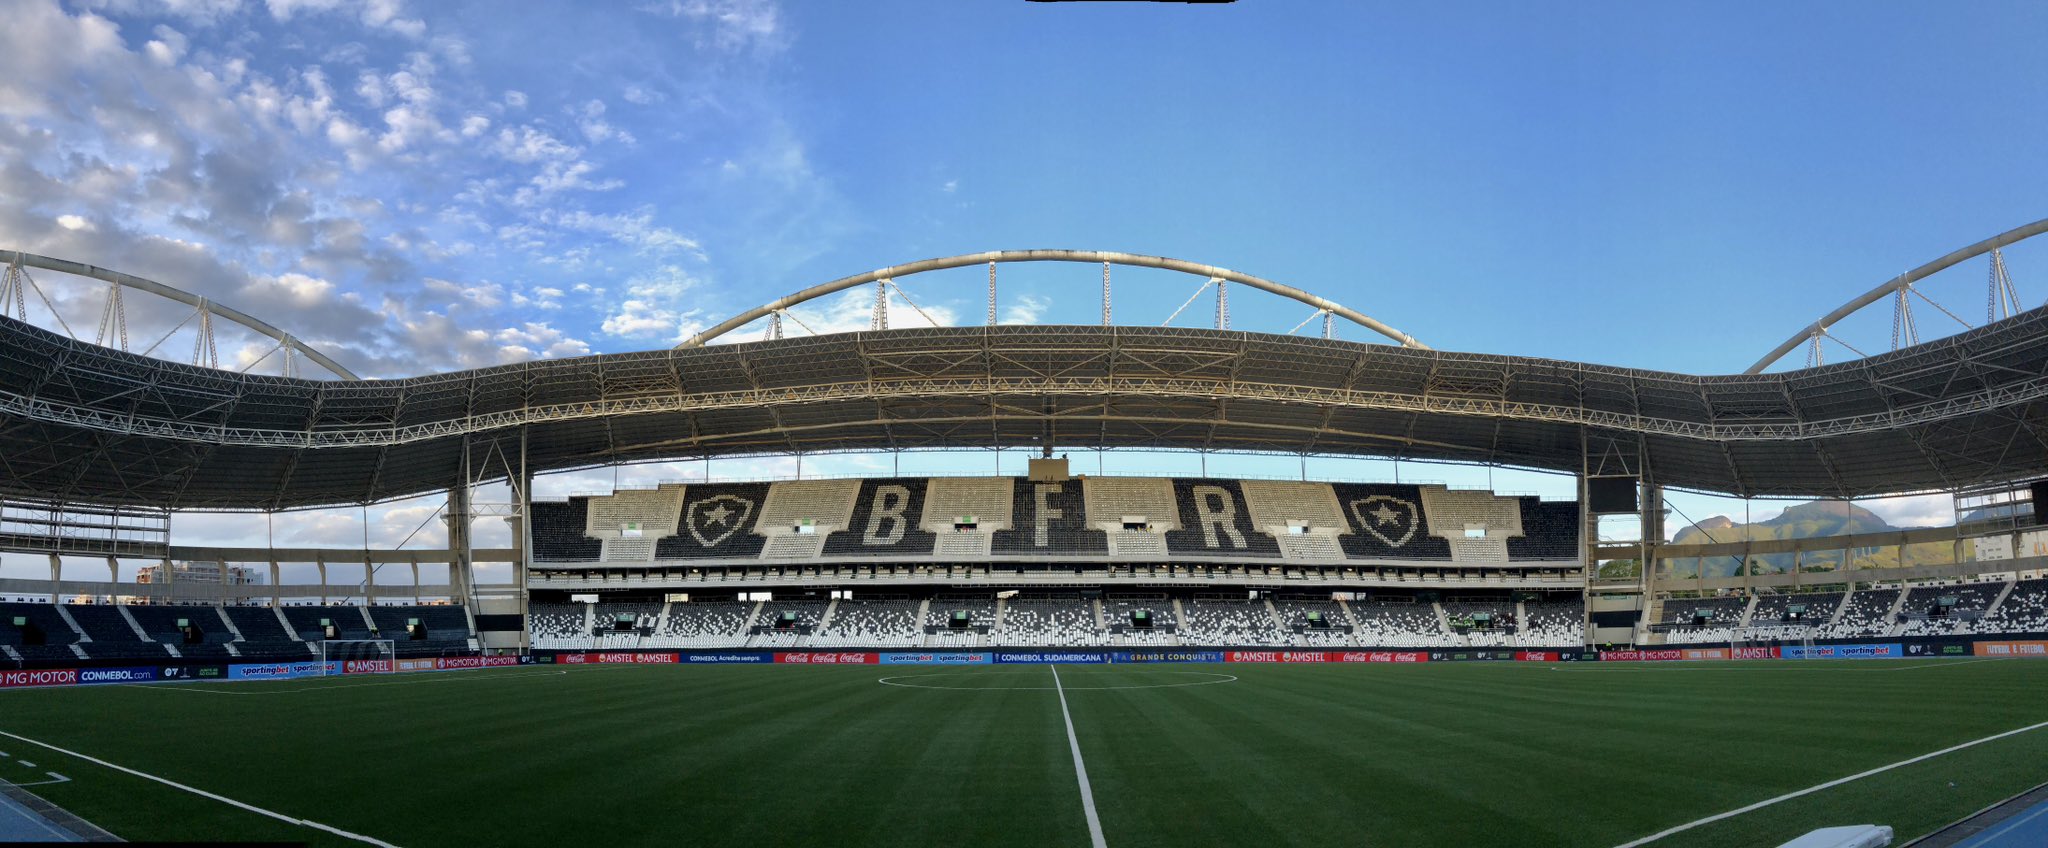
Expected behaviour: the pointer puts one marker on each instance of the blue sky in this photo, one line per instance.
(418, 186)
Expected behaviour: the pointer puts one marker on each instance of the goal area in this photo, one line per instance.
(358, 656)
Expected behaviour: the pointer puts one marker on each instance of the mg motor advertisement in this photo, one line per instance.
(451, 663)
(40, 677)
(1642, 656)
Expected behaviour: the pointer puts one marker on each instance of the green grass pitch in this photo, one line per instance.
(1450, 754)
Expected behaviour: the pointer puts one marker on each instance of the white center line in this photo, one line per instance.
(1828, 785)
(1080, 768)
(205, 794)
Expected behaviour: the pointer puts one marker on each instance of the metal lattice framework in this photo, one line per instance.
(2003, 300)
(885, 280)
(83, 423)
(112, 331)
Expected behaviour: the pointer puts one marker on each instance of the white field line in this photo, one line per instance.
(54, 778)
(371, 840)
(1828, 785)
(1080, 768)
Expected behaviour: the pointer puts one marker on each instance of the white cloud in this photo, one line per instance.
(596, 129)
(1914, 510)
(168, 47)
(366, 203)
(636, 229)
(728, 24)
(640, 319)
(375, 14)
(527, 145)
(853, 311)
(1026, 309)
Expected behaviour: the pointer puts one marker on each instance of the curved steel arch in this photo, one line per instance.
(1089, 256)
(66, 266)
(2008, 237)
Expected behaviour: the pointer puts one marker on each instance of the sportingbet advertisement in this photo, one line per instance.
(936, 658)
(1843, 652)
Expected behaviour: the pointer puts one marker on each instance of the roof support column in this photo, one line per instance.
(462, 566)
(522, 534)
(56, 579)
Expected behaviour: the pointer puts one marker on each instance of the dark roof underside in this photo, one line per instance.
(83, 423)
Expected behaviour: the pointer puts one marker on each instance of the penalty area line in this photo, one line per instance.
(1080, 768)
(1825, 786)
(371, 840)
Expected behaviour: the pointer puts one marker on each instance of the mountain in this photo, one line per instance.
(1802, 521)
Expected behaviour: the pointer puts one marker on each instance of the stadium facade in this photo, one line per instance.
(101, 445)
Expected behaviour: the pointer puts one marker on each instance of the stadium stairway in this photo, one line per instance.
(2003, 593)
(133, 624)
(1351, 618)
(229, 623)
(1891, 617)
(1842, 606)
(73, 624)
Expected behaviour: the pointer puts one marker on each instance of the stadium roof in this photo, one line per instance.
(88, 424)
